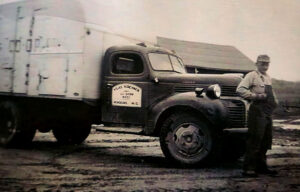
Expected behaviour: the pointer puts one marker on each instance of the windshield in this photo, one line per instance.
(165, 62)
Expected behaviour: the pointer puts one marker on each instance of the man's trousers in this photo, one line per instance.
(259, 138)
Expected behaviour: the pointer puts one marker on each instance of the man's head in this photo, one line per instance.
(262, 63)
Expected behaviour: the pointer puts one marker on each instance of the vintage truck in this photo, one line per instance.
(59, 72)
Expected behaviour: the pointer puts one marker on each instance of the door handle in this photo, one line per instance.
(109, 85)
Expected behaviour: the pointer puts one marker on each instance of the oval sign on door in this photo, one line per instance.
(127, 95)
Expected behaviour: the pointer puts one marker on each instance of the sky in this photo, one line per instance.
(253, 26)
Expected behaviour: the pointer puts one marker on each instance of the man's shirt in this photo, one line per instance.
(253, 84)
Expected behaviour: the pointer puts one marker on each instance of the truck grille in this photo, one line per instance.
(226, 90)
(186, 88)
(237, 114)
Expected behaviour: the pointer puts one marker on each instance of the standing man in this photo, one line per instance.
(257, 88)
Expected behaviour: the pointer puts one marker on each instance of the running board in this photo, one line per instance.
(120, 130)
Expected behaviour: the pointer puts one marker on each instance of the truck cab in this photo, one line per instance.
(149, 87)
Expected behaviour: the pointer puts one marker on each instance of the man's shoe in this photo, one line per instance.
(267, 171)
(249, 173)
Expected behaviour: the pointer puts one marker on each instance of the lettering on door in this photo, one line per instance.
(126, 95)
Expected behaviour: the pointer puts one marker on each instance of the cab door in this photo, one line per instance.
(125, 88)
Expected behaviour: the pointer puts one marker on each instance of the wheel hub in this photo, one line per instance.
(188, 139)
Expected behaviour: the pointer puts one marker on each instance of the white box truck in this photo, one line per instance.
(59, 72)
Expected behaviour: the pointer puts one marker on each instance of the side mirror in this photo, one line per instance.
(156, 80)
(153, 79)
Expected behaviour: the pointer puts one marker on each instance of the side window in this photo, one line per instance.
(127, 63)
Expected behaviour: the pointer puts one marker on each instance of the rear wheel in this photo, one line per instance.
(14, 130)
(186, 139)
(72, 132)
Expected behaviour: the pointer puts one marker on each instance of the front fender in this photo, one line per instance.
(212, 110)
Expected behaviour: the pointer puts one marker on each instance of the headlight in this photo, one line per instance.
(214, 91)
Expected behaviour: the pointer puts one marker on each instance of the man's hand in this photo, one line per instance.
(256, 97)
(261, 96)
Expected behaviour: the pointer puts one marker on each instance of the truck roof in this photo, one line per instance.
(141, 48)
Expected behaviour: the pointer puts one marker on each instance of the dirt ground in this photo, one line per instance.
(123, 162)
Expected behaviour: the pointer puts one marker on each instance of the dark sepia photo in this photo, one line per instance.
(150, 95)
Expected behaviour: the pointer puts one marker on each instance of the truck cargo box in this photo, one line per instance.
(48, 49)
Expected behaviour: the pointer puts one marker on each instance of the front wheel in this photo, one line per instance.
(188, 140)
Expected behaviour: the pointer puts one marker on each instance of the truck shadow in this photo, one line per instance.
(117, 156)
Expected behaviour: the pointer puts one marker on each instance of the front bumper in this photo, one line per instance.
(236, 130)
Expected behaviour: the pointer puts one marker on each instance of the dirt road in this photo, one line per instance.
(122, 162)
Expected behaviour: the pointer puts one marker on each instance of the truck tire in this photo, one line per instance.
(72, 132)
(14, 130)
(188, 140)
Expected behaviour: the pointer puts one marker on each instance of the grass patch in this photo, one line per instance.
(288, 95)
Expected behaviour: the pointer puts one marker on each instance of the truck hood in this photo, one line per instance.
(205, 79)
